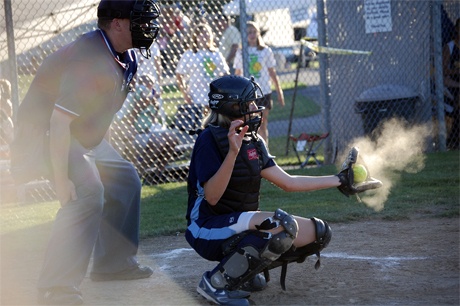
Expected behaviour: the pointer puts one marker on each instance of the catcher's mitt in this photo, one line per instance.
(347, 184)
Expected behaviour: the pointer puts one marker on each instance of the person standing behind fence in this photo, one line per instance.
(451, 72)
(229, 41)
(153, 68)
(199, 65)
(139, 134)
(262, 67)
(76, 92)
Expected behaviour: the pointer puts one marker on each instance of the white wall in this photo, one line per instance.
(278, 23)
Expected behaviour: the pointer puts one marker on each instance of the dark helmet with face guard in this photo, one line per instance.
(231, 95)
(143, 15)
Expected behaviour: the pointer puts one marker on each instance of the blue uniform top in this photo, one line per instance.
(86, 79)
(206, 161)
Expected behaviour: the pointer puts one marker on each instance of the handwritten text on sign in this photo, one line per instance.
(377, 14)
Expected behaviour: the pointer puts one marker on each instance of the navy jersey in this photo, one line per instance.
(88, 80)
(206, 161)
(207, 230)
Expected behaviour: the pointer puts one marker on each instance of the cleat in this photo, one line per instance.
(136, 272)
(221, 296)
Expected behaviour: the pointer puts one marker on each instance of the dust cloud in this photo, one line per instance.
(395, 148)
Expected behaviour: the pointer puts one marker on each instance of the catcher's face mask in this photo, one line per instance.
(143, 15)
(236, 97)
(144, 26)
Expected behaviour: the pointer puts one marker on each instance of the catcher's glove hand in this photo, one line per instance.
(347, 184)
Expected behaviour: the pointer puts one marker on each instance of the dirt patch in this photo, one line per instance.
(411, 262)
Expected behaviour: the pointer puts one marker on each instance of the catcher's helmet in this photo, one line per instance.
(231, 95)
(143, 15)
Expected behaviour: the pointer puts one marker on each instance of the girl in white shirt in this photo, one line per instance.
(262, 67)
(199, 65)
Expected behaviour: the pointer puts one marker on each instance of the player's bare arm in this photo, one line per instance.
(288, 182)
(275, 80)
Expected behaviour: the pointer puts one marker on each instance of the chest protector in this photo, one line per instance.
(242, 193)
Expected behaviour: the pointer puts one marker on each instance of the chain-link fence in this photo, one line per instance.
(344, 67)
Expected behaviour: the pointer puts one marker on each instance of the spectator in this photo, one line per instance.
(262, 67)
(229, 41)
(451, 72)
(152, 68)
(6, 119)
(197, 14)
(75, 94)
(173, 37)
(199, 65)
(139, 135)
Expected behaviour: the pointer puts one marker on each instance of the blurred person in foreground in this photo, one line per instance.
(262, 65)
(6, 130)
(6, 119)
(76, 93)
(224, 223)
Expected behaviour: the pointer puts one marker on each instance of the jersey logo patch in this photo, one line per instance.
(252, 154)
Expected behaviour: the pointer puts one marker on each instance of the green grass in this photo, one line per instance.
(427, 193)
(163, 209)
(24, 84)
(14, 217)
(303, 106)
(433, 192)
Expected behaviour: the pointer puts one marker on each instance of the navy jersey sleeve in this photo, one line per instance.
(207, 157)
(271, 162)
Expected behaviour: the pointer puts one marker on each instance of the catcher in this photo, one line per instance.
(228, 163)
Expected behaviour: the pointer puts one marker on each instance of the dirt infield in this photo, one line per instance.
(410, 262)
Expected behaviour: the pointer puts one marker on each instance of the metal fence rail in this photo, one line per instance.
(345, 67)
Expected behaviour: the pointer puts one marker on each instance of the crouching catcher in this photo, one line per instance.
(229, 160)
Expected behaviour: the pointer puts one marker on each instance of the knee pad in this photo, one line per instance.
(281, 242)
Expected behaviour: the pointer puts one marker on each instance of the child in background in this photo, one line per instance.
(262, 67)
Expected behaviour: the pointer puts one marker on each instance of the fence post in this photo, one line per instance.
(244, 38)
(324, 85)
(437, 58)
(12, 65)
